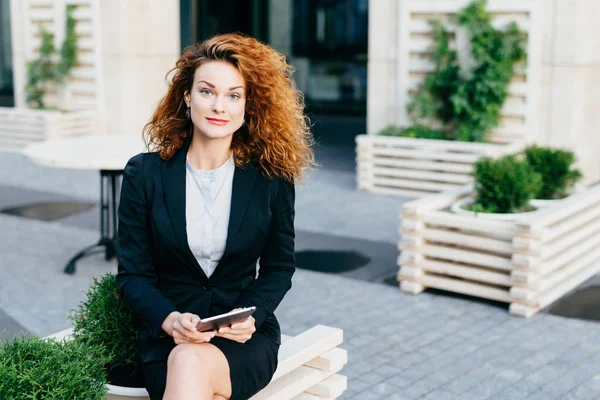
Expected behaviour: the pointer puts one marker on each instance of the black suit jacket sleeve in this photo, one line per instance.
(136, 276)
(277, 261)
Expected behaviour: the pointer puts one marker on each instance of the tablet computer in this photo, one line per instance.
(228, 319)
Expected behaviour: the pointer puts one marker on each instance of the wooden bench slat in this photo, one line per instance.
(329, 360)
(330, 388)
(308, 396)
(326, 360)
(293, 383)
(306, 346)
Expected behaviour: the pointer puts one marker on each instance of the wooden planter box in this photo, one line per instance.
(419, 167)
(22, 126)
(529, 263)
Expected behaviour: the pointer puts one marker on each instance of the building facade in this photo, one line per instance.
(344, 53)
(325, 40)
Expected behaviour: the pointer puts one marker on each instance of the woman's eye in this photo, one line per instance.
(205, 91)
(236, 96)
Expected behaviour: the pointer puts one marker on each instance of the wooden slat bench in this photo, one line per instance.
(307, 369)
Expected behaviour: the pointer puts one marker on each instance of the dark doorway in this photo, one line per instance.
(201, 19)
(330, 43)
(6, 70)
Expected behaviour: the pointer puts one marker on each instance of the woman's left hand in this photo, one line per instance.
(240, 332)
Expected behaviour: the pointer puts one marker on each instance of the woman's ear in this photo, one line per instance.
(186, 98)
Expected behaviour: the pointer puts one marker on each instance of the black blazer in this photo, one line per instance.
(158, 273)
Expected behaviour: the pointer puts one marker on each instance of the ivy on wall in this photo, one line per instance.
(45, 70)
(465, 96)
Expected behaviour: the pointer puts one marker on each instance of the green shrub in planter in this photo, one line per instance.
(467, 100)
(416, 132)
(504, 185)
(106, 322)
(555, 166)
(36, 368)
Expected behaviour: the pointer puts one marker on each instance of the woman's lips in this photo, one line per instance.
(216, 121)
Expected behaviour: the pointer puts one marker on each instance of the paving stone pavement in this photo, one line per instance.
(400, 346)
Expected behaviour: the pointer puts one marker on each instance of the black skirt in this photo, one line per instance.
(251, 367)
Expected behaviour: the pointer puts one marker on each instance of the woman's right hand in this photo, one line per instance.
(182, 327)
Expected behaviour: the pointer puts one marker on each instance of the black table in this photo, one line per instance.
(105, 153)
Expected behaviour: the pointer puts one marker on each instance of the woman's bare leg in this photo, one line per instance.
(201, 369)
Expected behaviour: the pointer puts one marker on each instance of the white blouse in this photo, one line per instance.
(207, 208)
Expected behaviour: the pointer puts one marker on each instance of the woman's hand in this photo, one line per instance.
(182, 327)
(240, 332)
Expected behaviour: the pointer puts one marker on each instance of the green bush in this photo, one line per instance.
(416, 131)
(36, 368)
(468, 103)
(44, 70)
(504, 185)
(555, 166)
(106, 322)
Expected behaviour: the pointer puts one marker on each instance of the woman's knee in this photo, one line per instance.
(208, 363)
(189, 354)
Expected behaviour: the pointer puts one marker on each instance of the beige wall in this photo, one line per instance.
(138, 43)
(571, 80)
(381, 72)
(141, 43)
(570, 76)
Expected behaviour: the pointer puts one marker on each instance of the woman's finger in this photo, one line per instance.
(229, 331)
(236, 338)
(235, 333)
(199, 338)
(182, 332)
(195, 320)
(186, 321)
(246, 324)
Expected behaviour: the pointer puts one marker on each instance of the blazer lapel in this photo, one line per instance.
(173, 177)
(243, 183)
(174, 183)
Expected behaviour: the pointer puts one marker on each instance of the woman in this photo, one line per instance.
(216, 195)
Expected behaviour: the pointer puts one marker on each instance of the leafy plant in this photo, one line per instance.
(106, 322)
(45, 69)
(504, 185)
(555, 166)
(468, 103)
(36, 368)
(416, 131)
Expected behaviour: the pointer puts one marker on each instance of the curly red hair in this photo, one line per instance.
(276, 135)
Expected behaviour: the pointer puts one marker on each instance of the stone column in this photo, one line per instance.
(141, 42)
(571, 81)
(381, 78)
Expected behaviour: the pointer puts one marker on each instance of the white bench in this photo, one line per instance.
(307, 369)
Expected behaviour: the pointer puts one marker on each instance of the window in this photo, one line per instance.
(330, 47)
(6, 69)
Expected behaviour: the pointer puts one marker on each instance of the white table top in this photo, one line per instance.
(109, 152)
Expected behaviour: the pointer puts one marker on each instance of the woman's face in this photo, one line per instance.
(217, 100)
